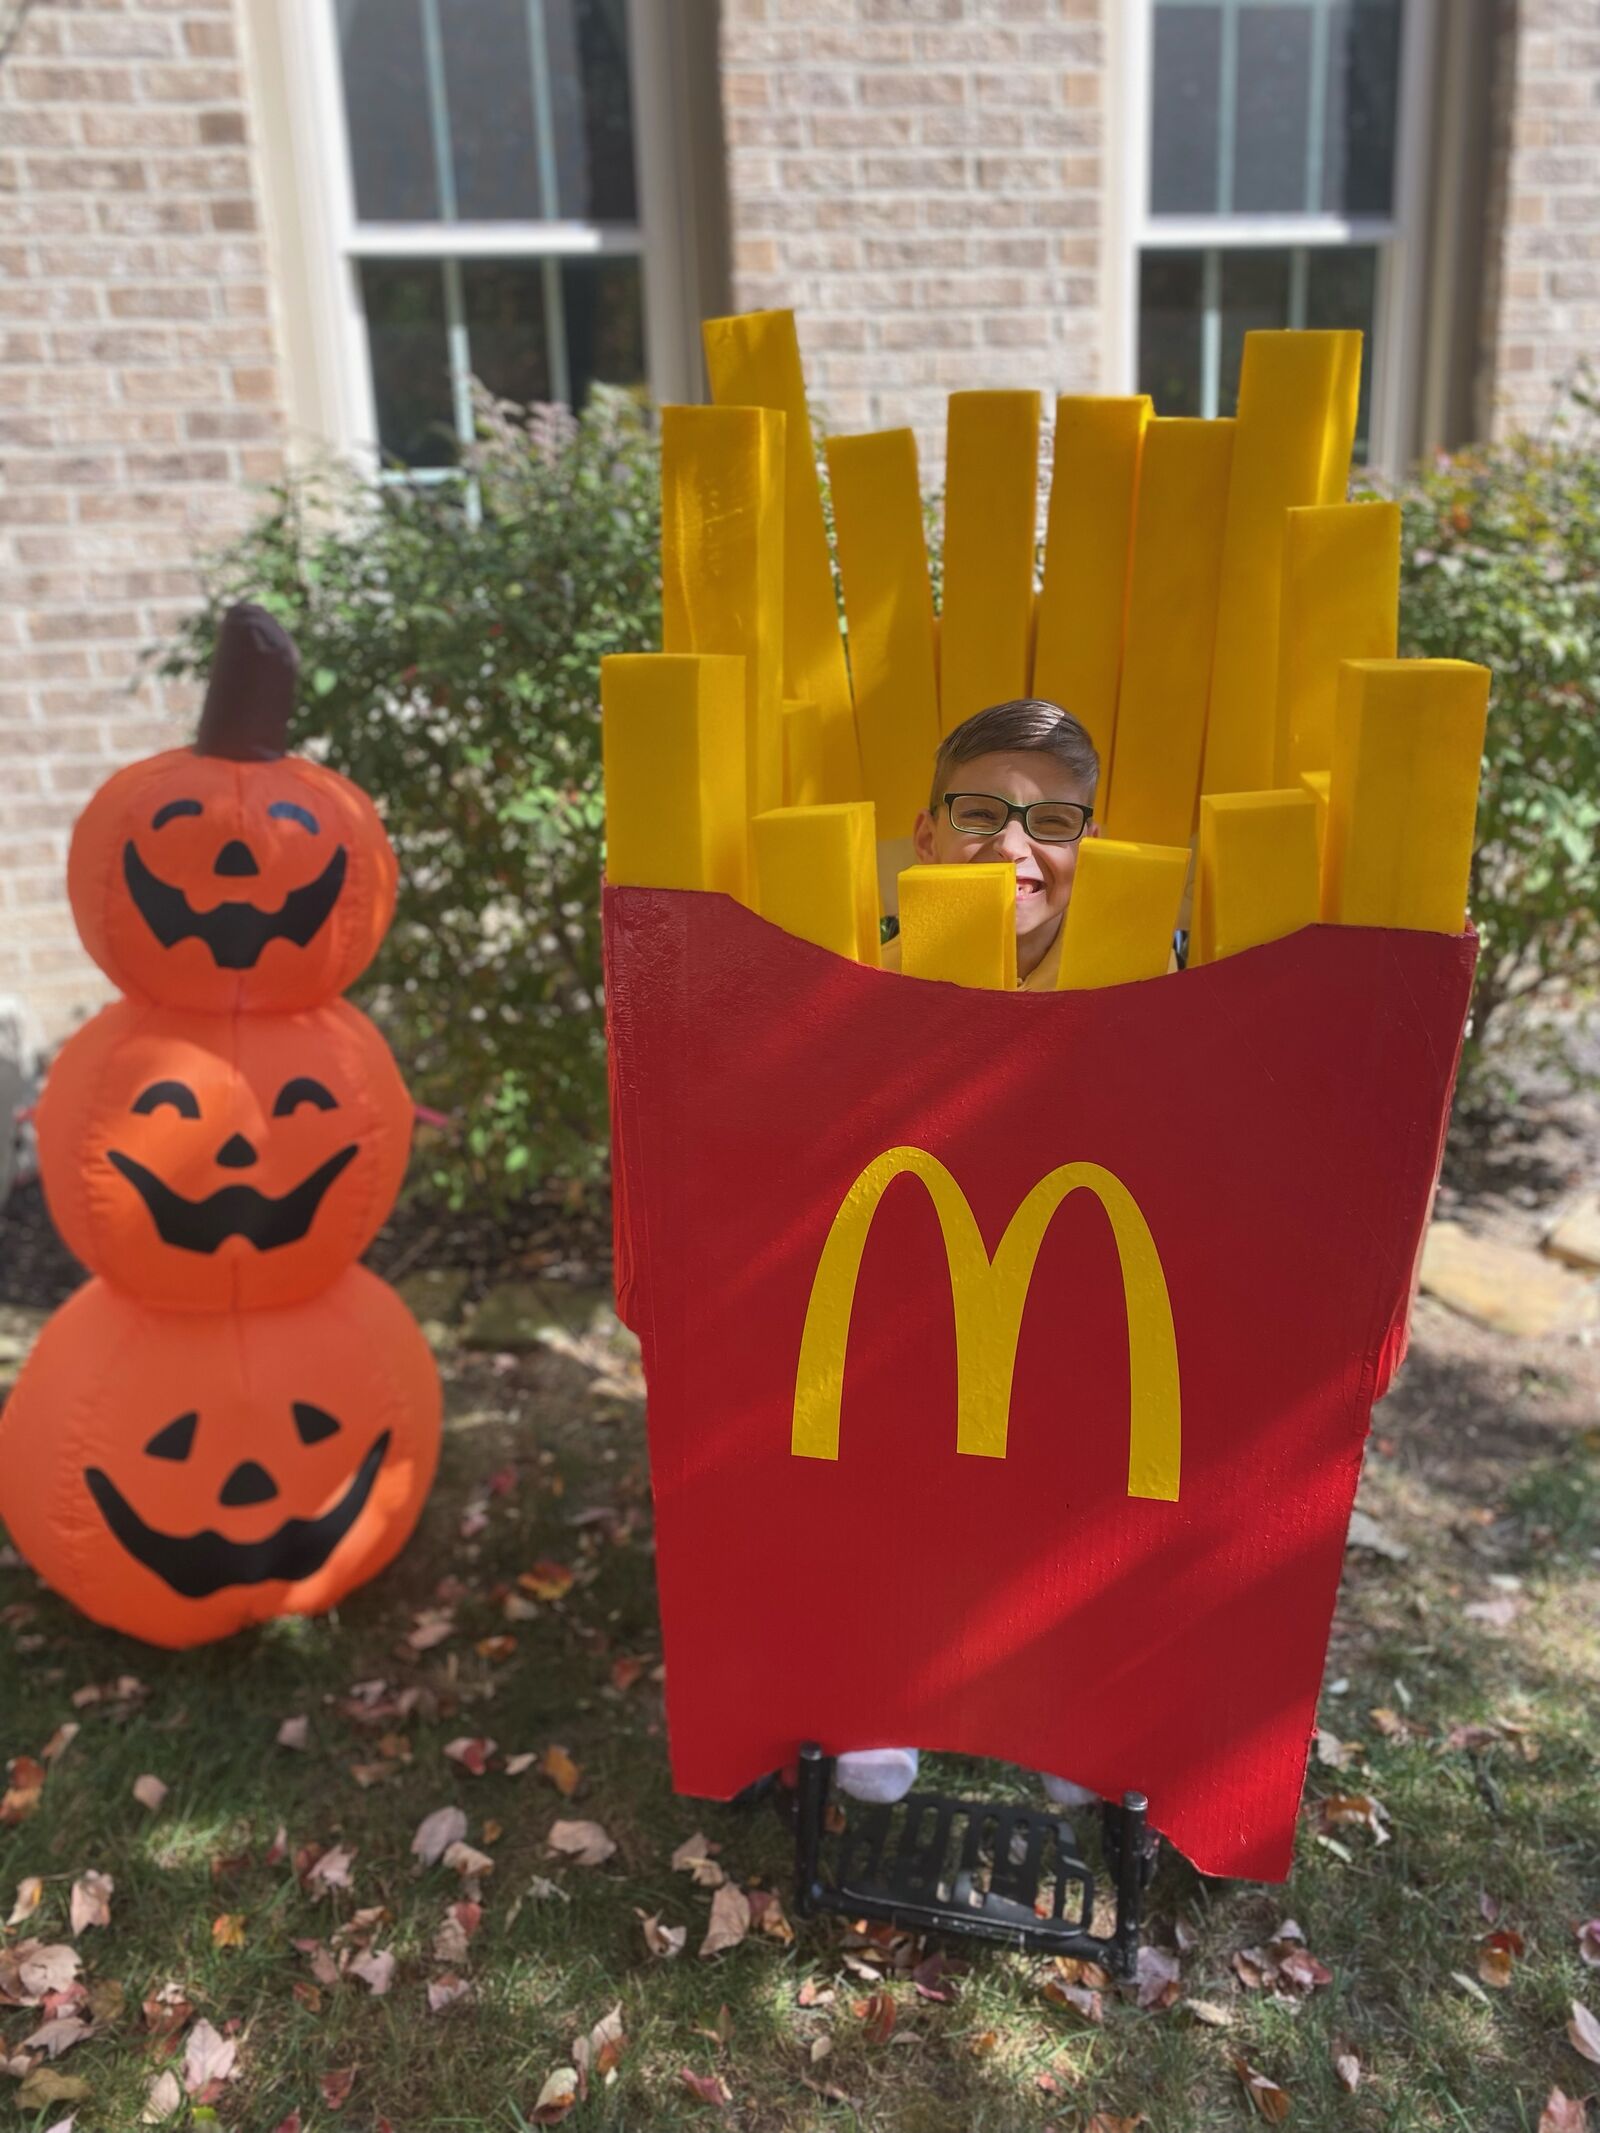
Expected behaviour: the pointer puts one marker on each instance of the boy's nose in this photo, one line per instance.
(1011, 843)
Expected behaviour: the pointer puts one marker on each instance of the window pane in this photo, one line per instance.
(1272, 110)
(386, 110)
(410, 361)
(1341, 290)
(605, 323)
(507, 345)
(1363, 96)
(1170, 306)
(1184, 110)
(1255, 293)
(489, 84)
(588, 45)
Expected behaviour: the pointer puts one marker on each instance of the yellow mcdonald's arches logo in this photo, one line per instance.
(988, 1297)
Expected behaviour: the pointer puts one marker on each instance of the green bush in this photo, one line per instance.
(450, 644)
(1502, 564)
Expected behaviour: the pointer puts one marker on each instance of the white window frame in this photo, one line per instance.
(1400, 298)
(321, 242)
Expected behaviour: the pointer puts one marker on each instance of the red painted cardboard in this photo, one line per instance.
(1277, 1118)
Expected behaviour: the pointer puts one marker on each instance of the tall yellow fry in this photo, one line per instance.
(1258, 871)
(1088, 551)
(959, 923)
(1341, 600)
(672, 737)
(816, 875)
(1124, 908)
(1403, 795)
(990, 515)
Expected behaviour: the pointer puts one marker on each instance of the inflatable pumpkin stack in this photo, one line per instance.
(232, 1420)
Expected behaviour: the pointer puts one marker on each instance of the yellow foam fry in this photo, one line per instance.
(1088, 547)
(1403, 793)
(1172, 613)
(816, 875)
(888, 602)
(1339, 437)
(1124, 909)
(1341, 600)
(672, 738)
(803, 781)
(990, 514)
(959, 923)
(1316, 782)
(722, 562)
(1258, 871)
(754, 361)
(1292, 391)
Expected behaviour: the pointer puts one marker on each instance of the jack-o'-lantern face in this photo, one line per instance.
(205, 1162)
(232, 875)
(263, 1463)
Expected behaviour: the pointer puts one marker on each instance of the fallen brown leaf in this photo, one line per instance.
(447, 1991)
(436, 1833)
(557, 2097)
(471, 1753)
(150, 1791)
(1082, 1999)
(1158, 1981)
(557, 1765)
(471, 1865)
(1209, 2012)
(30, 1893)
(58, 2035)
(1583, 2032)
(983, 2043)
(24, 1783)
(1346, 2067)
(331, 1870)
(208, 2057)
(293, 1732)
(91, 1901)
(547, 1581)
(1497, 1952)
(1564, 2114)
(695, 1856)
(59, 1742)
(877, 2015)
(1103, 2122)
(1268, 2098)
(598, 2055)
(163, 2098)
(730, 1919)
(375, 1968)
(706, 2088)
(1344, 1810)
(1589, 1943)
(227, 1930)
(767, 1916)
(586, 1843)
(335, 2087)
(664, 1941)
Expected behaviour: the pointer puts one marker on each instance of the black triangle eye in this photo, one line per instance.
(313, 1423)
(176, 1441)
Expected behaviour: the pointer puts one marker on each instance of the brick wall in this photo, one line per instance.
(1543, 289)
(139, 399)
(922, 180)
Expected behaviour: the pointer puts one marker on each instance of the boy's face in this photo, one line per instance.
(1044, 871)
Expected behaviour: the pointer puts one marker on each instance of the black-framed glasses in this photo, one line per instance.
(985, 814)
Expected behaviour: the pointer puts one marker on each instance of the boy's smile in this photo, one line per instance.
(1044, 871)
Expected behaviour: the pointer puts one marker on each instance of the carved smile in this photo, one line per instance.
(195, 1565)
(234, 1210)
(235, 933)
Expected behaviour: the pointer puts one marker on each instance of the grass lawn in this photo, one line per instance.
(1481, 1467)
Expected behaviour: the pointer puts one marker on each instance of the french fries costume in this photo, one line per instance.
(1011, 1356)
(232, 1420)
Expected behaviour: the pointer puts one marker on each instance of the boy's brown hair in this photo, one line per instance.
(1025, 723)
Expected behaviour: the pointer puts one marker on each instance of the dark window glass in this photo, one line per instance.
(1170, 306)
(1363, 98)
(1185, 96)
(506, 338)
(1341, 290)
(605, 192)
(1272, 110)
(386, 110)
(605, 323)
(488, 73)
(1255, 293)
(410, 360)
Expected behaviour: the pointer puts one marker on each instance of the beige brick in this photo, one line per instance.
(70, 85)
(191, 85)
(220, 129)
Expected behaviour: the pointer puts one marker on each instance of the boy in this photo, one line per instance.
(1015, 782)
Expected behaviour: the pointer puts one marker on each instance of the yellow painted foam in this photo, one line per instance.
(816, 875)
(1341, 600)
(1403, 793)
(1172, 611)
(1124, 908)
(754, 361)
(959, 923)
(1257, 876)
(722, 562)
(672, 737)
(1295, 409)
(990, 515)
(1088, 552)
(803, 782)
(883, 565)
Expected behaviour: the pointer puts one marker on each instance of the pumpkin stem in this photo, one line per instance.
(245, 716)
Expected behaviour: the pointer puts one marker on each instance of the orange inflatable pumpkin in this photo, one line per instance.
(180, 1480)
(231, 875)
(207, 1162)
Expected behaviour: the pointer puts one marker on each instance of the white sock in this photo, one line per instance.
(1065, 1794)
(879, 1776)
